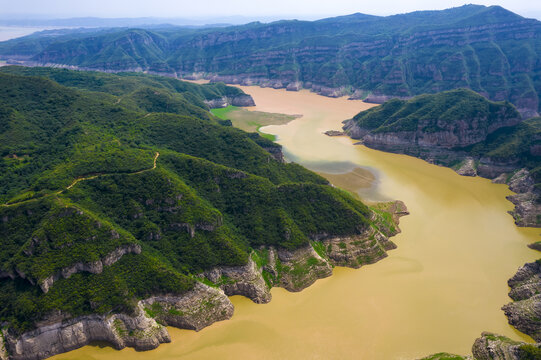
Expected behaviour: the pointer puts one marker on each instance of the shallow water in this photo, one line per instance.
(12, 32)
(438, 291)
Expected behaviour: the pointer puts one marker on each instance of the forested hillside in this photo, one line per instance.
(120, 188)
(487, 49)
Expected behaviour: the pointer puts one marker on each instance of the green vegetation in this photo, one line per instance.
(99, 164)
(408, 54)
(530, 352)
(432, 113)
(444, 356)
(462, 111)
(252, 121)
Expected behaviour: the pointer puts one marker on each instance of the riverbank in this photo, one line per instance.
(208, 303)
(438, 291)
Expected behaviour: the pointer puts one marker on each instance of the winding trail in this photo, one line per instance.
(84, 178)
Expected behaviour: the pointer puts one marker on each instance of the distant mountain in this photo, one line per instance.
(487, 49)
(147, 22)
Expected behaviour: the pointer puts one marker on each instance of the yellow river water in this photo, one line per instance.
(438, 291)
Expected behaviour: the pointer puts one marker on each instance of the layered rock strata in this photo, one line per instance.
(294, 270)
(527, 206)
(95, 267)
(143, 330)
(270, 267)
(524, 312)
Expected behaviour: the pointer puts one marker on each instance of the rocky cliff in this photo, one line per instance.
(142, 330)
(496, 347)
(244, 100)
(95, 267)
(464, 131)
(198, 308)
(524, 312)
(487, 49)
(295, 270)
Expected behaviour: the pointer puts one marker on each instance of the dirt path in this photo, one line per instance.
(78, 180)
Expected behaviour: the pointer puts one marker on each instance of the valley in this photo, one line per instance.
(442, 286)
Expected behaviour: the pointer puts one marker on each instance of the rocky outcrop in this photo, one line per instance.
(3, 349)
(527, 211)
(495, 347)
(380, 99)
(525, 312)
(526, 282)
(275, 151)
(138, 331)
(334, 133)
(467, 167)
(193, 310)
(294, 86)
(95, 267)
(356, 251)
(446, 135)
(296, 270)
(527, 202)
(243, 100)
(293, 270)
(244, 280)
(446, 356)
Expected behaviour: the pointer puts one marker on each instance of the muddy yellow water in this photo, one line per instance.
(438, 291)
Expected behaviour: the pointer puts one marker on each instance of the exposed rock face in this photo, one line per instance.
(297, 269)
(3, 349)
(204, 305)
(294, 86)
(494, 347)
(459, 133)
(467, 168)
(276, 152)
(367, 248)
(244, 280)
(194, 310)
(527, 210)
(95, 267)
(300, 268)
(120, 330)
(380, 99)
(356, 251)
(244, 100)
(334, 133)
(526, 282)
(525, 312)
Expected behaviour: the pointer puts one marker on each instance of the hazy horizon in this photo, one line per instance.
(209, 10)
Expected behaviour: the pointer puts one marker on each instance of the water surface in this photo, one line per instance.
(12, 32)
(438, 291)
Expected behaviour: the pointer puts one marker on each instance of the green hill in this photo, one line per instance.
(465, 131)
(457, 121)
(471, 46)
(87, 170)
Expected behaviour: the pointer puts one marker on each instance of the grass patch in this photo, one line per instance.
(252, 121)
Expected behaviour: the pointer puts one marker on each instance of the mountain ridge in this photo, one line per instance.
(487, 49)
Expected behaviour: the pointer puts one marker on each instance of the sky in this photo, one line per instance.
(301, 9)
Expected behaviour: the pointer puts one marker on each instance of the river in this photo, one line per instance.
(12, 32)
(438, 291)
